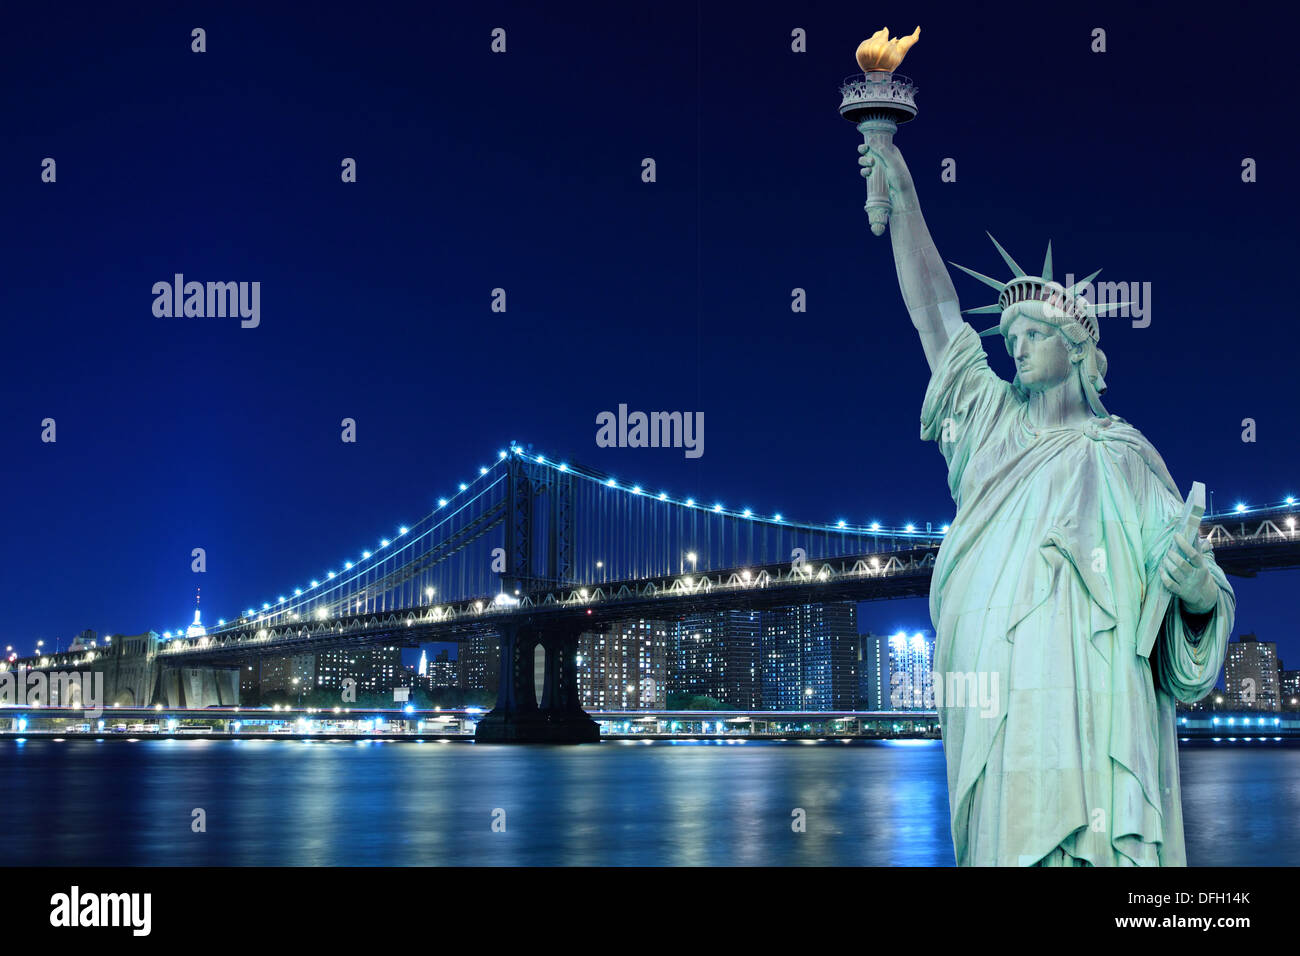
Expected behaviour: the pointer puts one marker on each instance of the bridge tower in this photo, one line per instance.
(539, 526)
(539, 536)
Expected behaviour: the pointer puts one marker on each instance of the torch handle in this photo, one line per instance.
(878, 131)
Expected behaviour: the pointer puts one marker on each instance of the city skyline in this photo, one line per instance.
(176, 433)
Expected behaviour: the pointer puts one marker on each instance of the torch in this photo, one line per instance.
(877, 100)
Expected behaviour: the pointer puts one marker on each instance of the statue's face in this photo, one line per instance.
(1039, 351)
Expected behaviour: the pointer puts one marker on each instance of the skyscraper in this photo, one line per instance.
(873, 672)
(809, 656)
(911, 666)
(624, 667)
(479, 662)
(716, 654)
(1250, 674)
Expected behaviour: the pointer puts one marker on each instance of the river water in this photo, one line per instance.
(320, 803)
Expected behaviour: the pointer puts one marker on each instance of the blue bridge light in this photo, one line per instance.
(634, 545)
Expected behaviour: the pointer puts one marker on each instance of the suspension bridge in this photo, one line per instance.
(537, 551)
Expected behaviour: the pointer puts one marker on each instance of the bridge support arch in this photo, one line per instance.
(518, 716)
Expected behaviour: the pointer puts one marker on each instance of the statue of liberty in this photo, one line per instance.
(1067, 522)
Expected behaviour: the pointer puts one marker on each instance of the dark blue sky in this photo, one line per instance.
(522, 171)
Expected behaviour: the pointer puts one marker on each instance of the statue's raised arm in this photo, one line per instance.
(928, 291)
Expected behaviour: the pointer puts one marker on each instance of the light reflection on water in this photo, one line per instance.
(316, 803)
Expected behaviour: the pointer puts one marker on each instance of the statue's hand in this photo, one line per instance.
(1186, 573)
(898, 178)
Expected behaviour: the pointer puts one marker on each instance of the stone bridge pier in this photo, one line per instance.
(134, 674)
(518, 716)
(196, 687)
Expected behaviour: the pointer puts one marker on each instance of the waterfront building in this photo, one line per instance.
(717, 654)
(624, 667)
(809, 655)
(1250, 674)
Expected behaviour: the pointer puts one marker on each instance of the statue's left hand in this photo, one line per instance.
(1186, 573)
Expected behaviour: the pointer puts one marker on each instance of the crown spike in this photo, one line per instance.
(1074, 289)
(983, 310)
(1047, 263)
(991, 283)
(1011, 263)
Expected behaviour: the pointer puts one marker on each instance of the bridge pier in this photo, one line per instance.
(517, 717)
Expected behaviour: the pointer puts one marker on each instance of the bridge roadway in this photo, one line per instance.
(554, 619)
(1244, 544)
(896, 574)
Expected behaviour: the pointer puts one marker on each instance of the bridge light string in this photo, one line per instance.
(635, 489)
(375, 558)
(371, 560)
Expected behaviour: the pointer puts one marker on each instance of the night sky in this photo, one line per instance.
(523, 171)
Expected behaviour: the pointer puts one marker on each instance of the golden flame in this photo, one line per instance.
(882, 53)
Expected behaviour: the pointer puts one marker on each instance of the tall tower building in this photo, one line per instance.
(1250, 674)
(479, 662)
(873, 672)
(624, 667)
(717, 654)
(810, 656)
(196, 629)
(911, 666)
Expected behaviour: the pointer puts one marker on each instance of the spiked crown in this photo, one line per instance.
(1064, 305)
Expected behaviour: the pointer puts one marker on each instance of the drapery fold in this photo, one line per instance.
(1039, 584)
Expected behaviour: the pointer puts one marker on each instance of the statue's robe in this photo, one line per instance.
(1059, 537)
